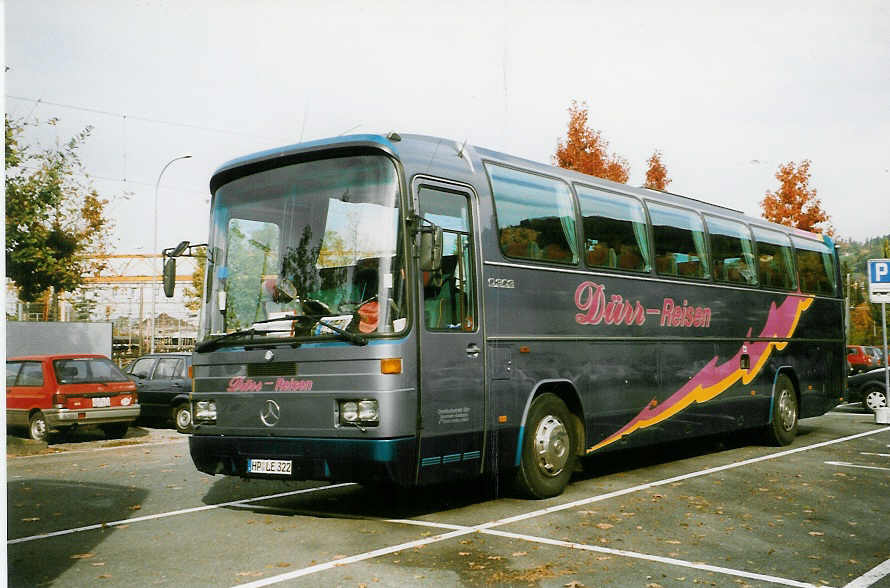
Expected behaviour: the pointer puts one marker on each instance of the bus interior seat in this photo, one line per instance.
(666, 264)
(602, 255)
(689, 268)
(629, 259)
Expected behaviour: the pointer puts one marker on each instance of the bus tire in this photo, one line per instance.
(782, 428)
(548, 449)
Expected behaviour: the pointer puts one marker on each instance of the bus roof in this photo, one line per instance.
(430, 154)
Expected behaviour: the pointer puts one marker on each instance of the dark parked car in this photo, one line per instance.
(868, 388)
(164, 387)
(62, 392)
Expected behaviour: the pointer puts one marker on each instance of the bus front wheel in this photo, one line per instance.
(782, 427)
(548, 449)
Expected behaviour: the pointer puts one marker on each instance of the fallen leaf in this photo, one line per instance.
(136, 507)
(574, 584)
(282, 564)
(816, 533)
(464, 553)
(97, 564)
(519, 553)
(604, 526)
(249, 574)
(83, 556)
(30, 519)
(104, 576)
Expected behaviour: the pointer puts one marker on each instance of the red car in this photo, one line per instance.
(46, 392)
(859, 359)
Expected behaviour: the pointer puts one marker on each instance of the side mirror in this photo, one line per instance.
(169, 277)
(431, 249)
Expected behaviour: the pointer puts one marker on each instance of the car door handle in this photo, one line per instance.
(472, 350)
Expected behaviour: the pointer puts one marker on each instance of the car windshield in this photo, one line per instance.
(87, 370)
(315, 240)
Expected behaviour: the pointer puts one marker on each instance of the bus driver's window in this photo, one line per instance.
(449, 294)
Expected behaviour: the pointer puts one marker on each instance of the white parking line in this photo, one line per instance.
(656, 558)
(485, 527)
(875, 454)
(856, 465)
(171, 514)
(871, 577)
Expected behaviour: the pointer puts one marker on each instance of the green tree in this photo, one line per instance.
(55, 219)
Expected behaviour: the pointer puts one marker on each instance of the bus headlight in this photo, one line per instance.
(359, 412)
(205, 412)
(367, 411)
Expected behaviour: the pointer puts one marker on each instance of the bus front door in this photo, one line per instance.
(451, 363)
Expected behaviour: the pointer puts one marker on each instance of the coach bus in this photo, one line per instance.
(410, 309)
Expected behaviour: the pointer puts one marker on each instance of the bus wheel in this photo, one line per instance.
(37, 428)
(548, 451)
(782, 427)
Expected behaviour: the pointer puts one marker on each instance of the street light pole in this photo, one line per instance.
(157, 270)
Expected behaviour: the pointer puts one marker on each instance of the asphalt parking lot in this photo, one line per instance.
(714, 512)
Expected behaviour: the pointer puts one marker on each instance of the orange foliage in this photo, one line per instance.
(656, 175)
(795, 204)
(585, 150)
(861, 320)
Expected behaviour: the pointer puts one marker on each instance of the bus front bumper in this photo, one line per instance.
(353, 460)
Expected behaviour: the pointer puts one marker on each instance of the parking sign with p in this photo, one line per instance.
(879, 280)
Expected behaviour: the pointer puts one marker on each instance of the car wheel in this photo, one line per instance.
(115, 430)
(874, 398)
(37, 428)
(548, 449)
(782, 428)
(182, 417)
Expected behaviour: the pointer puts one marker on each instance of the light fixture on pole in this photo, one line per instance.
(156, 268)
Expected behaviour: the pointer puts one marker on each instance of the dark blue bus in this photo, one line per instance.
(412, 310)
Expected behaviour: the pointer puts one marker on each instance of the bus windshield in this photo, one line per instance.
(307, 250)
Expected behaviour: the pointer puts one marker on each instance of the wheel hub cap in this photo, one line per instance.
(551, 446)
(787, 410)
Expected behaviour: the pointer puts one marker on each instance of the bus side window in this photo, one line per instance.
(615, 230)
(732, 251)
(775, 268)
(449, 293)
(535, 216)
(679, 242)
(815, 266)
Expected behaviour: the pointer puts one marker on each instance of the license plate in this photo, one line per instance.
(101, 402)
(269, 466)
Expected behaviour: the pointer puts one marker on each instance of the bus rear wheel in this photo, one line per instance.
(548, 449)
(782, 428)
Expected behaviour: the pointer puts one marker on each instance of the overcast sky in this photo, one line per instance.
(728, 91)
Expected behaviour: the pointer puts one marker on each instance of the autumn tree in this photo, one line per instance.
(656, 174)
(194, 294)
(585, 150)
(795, 204)
(56, 222)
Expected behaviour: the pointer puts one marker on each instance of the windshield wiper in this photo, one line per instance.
(211, 344)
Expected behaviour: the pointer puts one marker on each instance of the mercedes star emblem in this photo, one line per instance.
(271, 413)
(269, 355)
